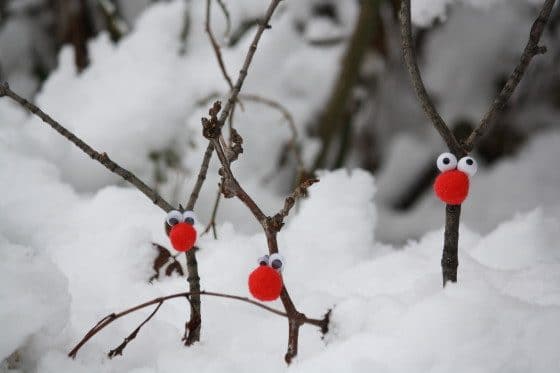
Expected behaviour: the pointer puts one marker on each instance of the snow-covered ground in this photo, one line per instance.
(75, 243)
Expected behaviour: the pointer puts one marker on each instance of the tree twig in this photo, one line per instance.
(215, 45)
(104, 322)
(102, 158)
(416, 79)
(532, 49)
(230, 187)
(120, 348)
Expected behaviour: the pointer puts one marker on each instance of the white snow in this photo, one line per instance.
(75, 242)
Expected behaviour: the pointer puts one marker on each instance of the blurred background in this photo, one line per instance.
(327, 90)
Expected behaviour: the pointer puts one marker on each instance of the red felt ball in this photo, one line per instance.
(265, 283)
(452, 187)
(182, 236)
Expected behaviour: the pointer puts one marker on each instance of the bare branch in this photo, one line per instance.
(201, 177)
(120, 348)
(212, 223)
(277, 221)
(294, 142)
(263, 25)
(225, 11)
(271, 226)
(412, 66)
(102, 158)
(160, 300)
(215, 45)
(531, 50)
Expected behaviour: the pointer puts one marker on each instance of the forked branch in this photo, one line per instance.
(104, 322)
(449, 261)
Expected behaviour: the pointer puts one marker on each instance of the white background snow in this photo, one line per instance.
(75, 242)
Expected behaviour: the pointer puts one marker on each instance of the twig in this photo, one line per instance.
(230, 187)
(208, 154)
(102, 158)
(120, 348)
(212, 223)
(225, 11)
(248, 59)
(201, 177)
(416, 79)
(160, 300)
(215, 45)
(294, 141)
(531, 50)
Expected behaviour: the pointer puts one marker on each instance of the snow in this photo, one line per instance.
(75, 242)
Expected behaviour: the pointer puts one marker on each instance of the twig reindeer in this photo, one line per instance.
(459, 183)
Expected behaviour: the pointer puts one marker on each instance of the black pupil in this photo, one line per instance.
(263, 262)
(276, 263)
(469, 162)
(173, 221)
(446, 161)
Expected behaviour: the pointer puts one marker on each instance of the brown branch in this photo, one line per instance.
(225, 11)
(212, 223)
(102, 158)
(120, 348)
(531, 50)
(215, 45)
(294, 142)
(104, 322)
(200, 178)
(230, 187)
(416, 79)
(193, 326)
(248, 59)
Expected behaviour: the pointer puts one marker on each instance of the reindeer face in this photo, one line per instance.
(180, 229)
(265, 282)
(452, 184)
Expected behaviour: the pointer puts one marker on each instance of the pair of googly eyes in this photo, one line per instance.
(276, 261)
(175, 217)
(448, 162)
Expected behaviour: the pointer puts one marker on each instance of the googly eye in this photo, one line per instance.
(446, 162)
(174, 217)
(189, 217)
(468, 165)
(263, 260)
(277, 262)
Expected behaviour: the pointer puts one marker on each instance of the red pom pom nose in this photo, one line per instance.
(182, 236)
(265, 283)
(452, 187)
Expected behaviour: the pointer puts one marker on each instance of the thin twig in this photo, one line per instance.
(215, 45)
(230, 187)
(201, 177)
(263, 25)
(102, 158)
(294, 141)
(412, 67)
(160, 300)
(212, 223)
(225, 11)
(120, 348)
(531, 50)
